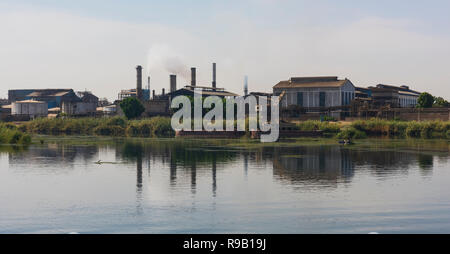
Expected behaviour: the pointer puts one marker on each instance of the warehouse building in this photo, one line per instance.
(53, 97)
(315, 92)
(394, 96)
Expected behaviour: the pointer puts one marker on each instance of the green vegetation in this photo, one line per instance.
(440, 102)
(351, 133)
(380, 128)
(161, 127)
(413, 129)
(425, 100)
(327, 127)
(9, 134)
(115, 126)
(132, 107)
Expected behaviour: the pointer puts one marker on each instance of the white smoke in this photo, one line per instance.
(161, 56)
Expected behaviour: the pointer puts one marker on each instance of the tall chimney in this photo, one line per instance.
(154, 94)
(193, 76)
(246, 86)
(139, 82)
(173, 83)
(214, 84)
(163, 91)
(148, 84)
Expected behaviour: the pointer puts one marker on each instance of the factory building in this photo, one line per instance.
(29, 108)
(315, 92)
(86, 106)
(394, 96)
(53, 97)
(362, 93)
(133, 93)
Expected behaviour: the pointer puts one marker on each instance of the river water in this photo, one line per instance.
(167, 186)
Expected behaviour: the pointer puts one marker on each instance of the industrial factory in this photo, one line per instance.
(301, 98)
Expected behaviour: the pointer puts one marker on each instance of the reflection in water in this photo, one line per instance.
(204, 187)
(425, 162)
(63, 155)
(324, 165)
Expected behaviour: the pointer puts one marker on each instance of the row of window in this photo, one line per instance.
(406, 102)
(347, 97)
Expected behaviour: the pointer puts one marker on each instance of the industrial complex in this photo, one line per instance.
(302, 98)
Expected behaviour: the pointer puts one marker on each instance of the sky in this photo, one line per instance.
(95, 45)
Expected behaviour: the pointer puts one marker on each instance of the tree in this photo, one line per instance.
(425, 100)
(132, 107)
(441, 102)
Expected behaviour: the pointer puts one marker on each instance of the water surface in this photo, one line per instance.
(167, 186)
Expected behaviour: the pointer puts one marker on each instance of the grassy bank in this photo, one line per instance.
(115, 126)
(161, 127)
(381, 128)
(10, 134)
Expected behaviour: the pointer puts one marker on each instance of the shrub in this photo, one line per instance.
(117, 121)
(413, 130)
(326, 127)
(351, 133)
(13, 136)
(113, 130)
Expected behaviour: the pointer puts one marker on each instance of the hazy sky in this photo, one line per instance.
(95, 45)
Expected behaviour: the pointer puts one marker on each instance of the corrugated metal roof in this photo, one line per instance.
(408, 93)
(290, 84)
(49, 92)
(30, 101)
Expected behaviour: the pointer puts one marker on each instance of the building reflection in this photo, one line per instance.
(54, 154)
(186, 163)
(330, 165)
(327, 165)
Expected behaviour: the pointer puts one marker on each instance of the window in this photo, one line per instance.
(300, 99)
(322, 99)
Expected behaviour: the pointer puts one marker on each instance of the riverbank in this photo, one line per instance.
(161, 127)
(381, 128)
(9, 134)
(115, 126)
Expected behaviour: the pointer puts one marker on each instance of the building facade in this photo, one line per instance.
(315, 92)
(394, 96)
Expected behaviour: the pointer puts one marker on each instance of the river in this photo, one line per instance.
(171, 186)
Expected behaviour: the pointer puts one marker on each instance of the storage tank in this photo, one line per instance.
(30, 108)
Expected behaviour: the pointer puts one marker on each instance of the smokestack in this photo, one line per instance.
(139, 82)
(154, 93)
(173, 83)
(214, 82)
(163, 91)
(148, 84)
(246, 86)
(193, 76)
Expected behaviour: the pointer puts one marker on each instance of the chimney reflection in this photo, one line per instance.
(214, 176)
(193, 178)
(139, 173)
(173, 172)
